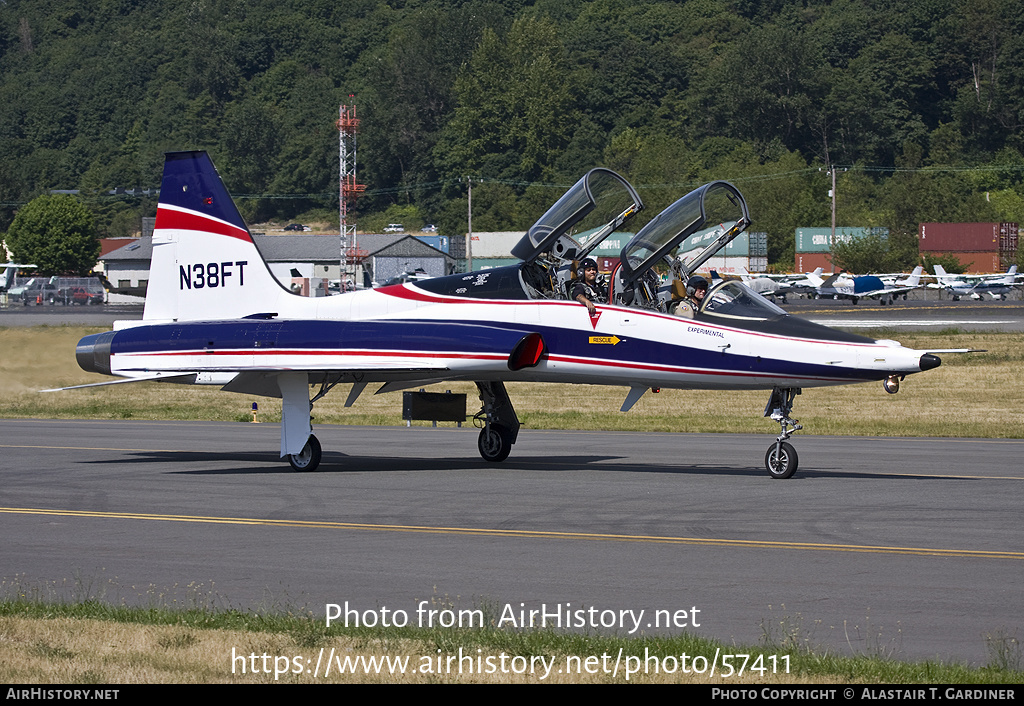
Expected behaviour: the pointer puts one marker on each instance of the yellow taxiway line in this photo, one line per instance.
(530, 534)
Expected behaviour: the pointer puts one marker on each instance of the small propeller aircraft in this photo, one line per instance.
(870, 287)
(776, 286)
(10, 272)
(996, 286)
(215, 315)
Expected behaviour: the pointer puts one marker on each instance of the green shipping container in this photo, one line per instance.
(810, 240)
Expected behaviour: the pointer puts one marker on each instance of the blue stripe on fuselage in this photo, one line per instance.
(465, 337)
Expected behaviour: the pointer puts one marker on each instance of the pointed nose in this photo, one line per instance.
(929, 361)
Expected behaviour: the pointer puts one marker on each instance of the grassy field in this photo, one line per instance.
(91, 642)
(972, 395)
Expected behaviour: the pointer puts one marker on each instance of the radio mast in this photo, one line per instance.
(348, 189)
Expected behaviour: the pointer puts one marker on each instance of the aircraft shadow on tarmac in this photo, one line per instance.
(336, 462)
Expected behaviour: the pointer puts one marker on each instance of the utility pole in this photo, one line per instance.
(469, 234)
(832, 195)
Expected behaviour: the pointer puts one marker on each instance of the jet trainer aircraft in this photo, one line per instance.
(216, 315)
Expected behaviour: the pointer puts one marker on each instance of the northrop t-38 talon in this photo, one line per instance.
(215, 315)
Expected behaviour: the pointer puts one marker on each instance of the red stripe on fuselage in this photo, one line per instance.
(410, 292)
(491, 357)
(184, 220)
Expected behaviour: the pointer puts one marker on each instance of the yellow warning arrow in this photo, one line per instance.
(607, 340)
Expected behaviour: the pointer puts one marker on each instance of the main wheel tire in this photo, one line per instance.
(494, 443)
(309, 458)
(784, 465)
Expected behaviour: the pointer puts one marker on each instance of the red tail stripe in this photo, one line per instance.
(182, 220)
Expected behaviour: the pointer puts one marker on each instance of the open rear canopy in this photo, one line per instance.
(691, 230)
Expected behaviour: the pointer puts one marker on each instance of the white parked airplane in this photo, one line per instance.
(869, 287)
(996, 286)
(10, 272)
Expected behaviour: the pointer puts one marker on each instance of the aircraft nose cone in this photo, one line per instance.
(929, 361)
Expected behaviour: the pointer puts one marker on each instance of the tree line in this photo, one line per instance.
(919, 101)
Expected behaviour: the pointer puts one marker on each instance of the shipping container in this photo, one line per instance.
(819, 240)
(438, 242)
(758, 244)
(1008, 240)
(729, 265)
(808, 262)
(976, 262)
(494, 244)
(958, 237)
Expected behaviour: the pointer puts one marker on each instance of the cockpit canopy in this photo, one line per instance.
(688, 232)
(735, 300)
(594, 208)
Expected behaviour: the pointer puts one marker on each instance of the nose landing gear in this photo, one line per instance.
(781, 458)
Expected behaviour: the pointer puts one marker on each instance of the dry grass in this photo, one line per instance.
(975, 395)
(85, 651)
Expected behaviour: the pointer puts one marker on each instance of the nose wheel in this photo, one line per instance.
(781, 459)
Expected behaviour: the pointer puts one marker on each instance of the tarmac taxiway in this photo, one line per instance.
(911, 547)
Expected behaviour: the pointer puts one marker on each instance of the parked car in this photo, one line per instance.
(429, 229)
(80, 295)
(36, 290)
(295, 226)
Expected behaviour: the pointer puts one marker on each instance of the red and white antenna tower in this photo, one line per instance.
(348, 189)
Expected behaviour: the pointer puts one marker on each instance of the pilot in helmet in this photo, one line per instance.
(586, 289)
(696, 288)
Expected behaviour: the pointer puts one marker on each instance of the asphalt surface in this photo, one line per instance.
(910, 547)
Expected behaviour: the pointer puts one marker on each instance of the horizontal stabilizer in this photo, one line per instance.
(159, 377)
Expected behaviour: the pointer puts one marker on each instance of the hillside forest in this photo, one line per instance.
(917, 104)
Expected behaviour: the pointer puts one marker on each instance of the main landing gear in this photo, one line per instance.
(781, 460)
(500, 424)
(309, 458)
(298, 443)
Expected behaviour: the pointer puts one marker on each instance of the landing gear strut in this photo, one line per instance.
(500, 424)
(298, 443)
(781, 459)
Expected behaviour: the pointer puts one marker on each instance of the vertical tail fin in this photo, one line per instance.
(914, 278)
(205, 263)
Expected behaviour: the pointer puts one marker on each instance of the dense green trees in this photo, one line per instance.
(920, 100)
(57, 234)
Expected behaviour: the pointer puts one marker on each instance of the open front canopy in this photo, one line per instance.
(594, 208)
(691, 230)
